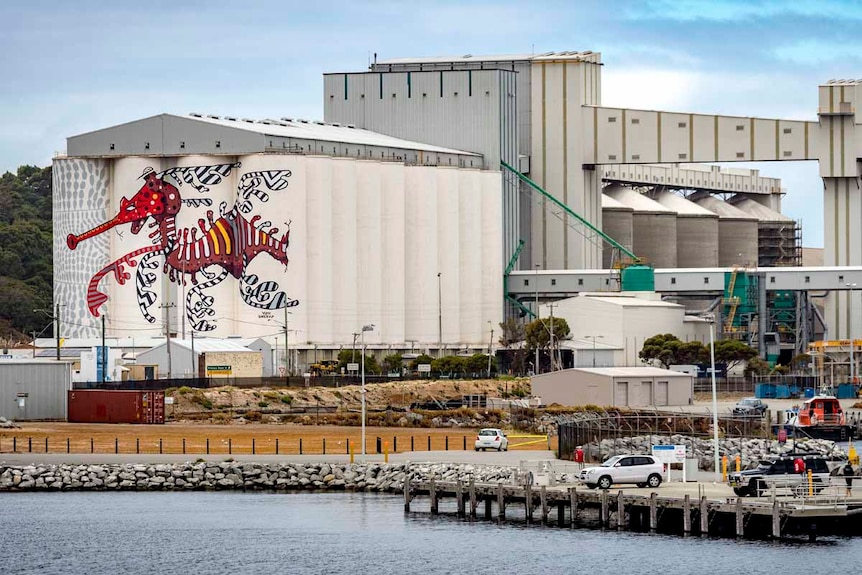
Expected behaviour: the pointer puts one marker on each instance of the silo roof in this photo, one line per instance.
(724, 210)
(608, 203)
(682, 206)
(638, 202)
(759, 211)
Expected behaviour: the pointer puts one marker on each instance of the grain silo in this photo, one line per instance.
(737, 231)
(617, 223)
(696, 231)
(779, 238)
(653, 227)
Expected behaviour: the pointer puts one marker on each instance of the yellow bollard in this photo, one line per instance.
(724, 468)
(852, 456)
(385, 452)
(738, 463)
(810, 484)
(351, 454)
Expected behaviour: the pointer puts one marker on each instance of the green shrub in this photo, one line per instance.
(288, 399)
(263, 404)
(184, 390)
(252, 415)
(273, 395)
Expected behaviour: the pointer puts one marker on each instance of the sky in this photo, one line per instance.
(71, 67)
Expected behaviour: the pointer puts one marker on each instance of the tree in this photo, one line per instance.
(511, 332)
(392, 362)
(733, 352)
(448, 364)
(756, 366)
(538, 332)
(669, 350)
(478, 363)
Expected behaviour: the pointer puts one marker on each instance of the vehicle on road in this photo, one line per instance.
(492, 438)
(780, 472)
(750, 407)
(642, 470)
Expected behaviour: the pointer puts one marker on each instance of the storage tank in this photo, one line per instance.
(617, 223)
(737, 232)
(653, 227)
(779, 238)
(696, 231)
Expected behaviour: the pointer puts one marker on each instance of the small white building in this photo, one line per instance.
(622, 321)
(208, 358)
(616, 386)
(34, 389)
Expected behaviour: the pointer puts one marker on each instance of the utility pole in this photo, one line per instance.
(167, 307)
(490, 347)
(536, 281)
(194, 357)
(286, 350)
(34, 344)
(104, 352)
(439, 317)
(551, 306)
(57, 319)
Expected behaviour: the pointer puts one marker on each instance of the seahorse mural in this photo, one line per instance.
(218, 247)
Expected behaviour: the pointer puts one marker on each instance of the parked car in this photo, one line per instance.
(492, 438)
(750, 406)
(778, 472)
(642, 470)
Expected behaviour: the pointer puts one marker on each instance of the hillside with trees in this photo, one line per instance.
(26, 259)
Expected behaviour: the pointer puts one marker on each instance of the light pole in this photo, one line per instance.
(850, 332)
(369, 327)
(490, 347)
(536, 281)
(594, 337)
(717, 474)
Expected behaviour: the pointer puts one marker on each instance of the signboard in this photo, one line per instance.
(101, 363)
(668, 454)
(218, 370)
(424, 368)
(169, 400)
(281, 370)
(352, 367)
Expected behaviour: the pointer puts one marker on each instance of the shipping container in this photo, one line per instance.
(110, 406)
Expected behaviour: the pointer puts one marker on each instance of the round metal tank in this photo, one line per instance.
(737, 232)
(653, 227)
(696, 231)
(777, 245)
(617, 223)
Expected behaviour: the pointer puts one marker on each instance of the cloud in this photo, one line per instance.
(811, 51)
(736, 10)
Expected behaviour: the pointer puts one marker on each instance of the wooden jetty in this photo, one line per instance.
(754, 518)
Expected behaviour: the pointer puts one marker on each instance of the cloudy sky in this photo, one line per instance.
(71, 67)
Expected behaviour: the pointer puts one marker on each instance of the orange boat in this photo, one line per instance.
(822, 417)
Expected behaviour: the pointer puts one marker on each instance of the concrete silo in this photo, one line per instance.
(617, 222)
(653, 227)
(696, 231)
(737, 231)
(779, 238)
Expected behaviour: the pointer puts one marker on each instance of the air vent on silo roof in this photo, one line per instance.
(195, 115)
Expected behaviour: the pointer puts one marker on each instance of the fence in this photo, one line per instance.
(591, 431)
(730, 384)
(332, 445)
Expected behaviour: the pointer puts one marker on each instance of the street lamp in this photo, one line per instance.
(369, 327)
(594, 337)
(490, 347)
(711, 319)
(536, 281)
(850, 331)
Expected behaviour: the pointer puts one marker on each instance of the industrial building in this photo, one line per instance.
(205, 358)
(421, 206)
(616, 386)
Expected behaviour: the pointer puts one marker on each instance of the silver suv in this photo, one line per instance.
(642, 470)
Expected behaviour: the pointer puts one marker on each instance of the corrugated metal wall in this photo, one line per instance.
(45, 385)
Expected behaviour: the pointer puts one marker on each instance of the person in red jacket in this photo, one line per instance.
(798, 465)
(579, 457)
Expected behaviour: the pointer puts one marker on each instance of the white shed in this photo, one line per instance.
(617, 386)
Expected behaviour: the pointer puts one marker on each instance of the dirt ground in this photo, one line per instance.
(262, 439)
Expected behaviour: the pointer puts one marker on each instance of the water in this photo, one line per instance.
(332, 533)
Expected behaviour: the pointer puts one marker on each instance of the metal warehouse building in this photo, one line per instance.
(617, 386)
(33, 389)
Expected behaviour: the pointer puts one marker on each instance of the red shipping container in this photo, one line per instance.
(109, 406)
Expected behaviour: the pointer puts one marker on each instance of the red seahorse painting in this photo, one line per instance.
(218, 247)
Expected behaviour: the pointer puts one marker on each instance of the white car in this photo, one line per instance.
(642, 470)
(492, 439)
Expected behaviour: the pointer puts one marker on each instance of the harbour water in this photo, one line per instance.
(332, 533)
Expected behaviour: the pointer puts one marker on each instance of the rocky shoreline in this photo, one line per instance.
(232, 475)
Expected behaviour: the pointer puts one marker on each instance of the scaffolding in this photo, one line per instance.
(779, 244)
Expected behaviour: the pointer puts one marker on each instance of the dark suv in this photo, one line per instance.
(750, 407)
(779, 472)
